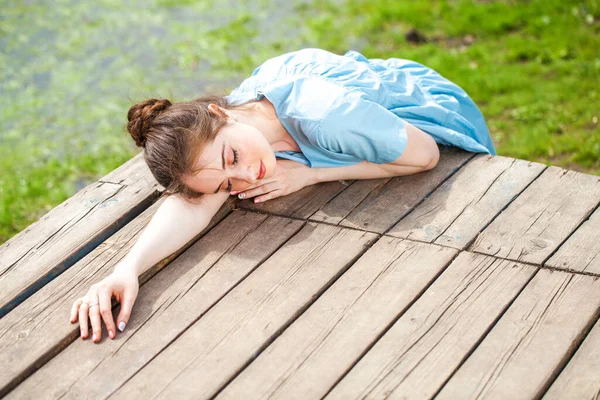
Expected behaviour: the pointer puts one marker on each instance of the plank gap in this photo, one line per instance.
(587, 218)
(83, 251)
(577, 272)
(570, 354)
(490, 327)
(470, 244)
(300, 311)
(394, 320)
(47, 355)
(411, 209)
(258, 265)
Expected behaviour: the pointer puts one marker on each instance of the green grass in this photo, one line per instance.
(69, 72)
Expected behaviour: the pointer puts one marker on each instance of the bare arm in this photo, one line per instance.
(174, 224)
(421, 154)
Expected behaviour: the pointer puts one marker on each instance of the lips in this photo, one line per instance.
(262, 170)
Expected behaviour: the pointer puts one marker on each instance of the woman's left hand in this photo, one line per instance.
(289, 177)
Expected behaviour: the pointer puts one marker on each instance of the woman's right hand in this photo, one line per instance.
(124, 286)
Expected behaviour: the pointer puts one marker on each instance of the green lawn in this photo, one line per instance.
(70, 71)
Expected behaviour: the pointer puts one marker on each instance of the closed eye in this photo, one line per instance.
(235, 157)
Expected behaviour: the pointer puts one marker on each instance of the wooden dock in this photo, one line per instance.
(477, 279)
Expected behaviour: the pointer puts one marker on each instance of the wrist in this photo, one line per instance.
(315, 176)
(127, 266)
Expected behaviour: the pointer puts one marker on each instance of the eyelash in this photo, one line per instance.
(235, 157)
(235, 160)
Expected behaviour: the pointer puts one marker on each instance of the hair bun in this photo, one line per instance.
(140, 117)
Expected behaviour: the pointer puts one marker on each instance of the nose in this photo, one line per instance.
(245, 174)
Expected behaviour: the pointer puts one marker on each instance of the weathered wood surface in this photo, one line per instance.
(208, 354)
(408, 287)
(388, 203)
(165, 307)
(316, 350)
(542, 217)
(301, 204)
(424, 347)
(530, 344)
(581, 377)
(581, 252)
(38, 328)
(66, 234)
(455, 213)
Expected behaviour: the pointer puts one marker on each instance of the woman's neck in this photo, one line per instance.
(263, 117)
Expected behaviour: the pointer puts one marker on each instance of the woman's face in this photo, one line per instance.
(239, 156)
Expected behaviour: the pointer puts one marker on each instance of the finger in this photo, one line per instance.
(258, 191)
(269, 196)
(258, 184)
(106, 311)
(75, 310)
(94, 312)
(83, 319)
(125, 313)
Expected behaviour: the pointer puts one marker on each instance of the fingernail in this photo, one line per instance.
(121, 326)
(94, 337)
(241, 195)
(82, 335)
(257, 201)
(111, 334)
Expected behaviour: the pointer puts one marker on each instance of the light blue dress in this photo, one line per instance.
(342, 110)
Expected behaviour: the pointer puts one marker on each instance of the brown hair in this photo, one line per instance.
(172, 135)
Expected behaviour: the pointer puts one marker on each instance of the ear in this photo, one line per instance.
(218, 111)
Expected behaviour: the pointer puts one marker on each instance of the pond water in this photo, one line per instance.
(69, 70)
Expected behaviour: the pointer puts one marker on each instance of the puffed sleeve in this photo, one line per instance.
(357, 126)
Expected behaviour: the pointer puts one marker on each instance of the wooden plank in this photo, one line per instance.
(581, 252)
(62, 237)
(338, 208)
(532, 342)
(382, 208)
(424, 347)
(316, 350)
(579, 380)
(133, 172)
(301, 204)
(542, 217)
(236, 329)
(455, 213)
(38, 328)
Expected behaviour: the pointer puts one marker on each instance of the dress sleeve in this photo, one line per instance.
(357, 126)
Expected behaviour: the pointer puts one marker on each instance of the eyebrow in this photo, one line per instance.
(222, 166)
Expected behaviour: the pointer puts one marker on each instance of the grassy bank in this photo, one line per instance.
(69, 73)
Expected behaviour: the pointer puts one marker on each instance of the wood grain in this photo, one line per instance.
(424, 347)
(301, 204)
(532, 341)
(339, 207)
(542, 217)
(235, 330)
(64, 236)
(165, 307)
(316, 350)
(455, 213)
(579, 380)
(581, 252)
(386, 205)
(39, 327)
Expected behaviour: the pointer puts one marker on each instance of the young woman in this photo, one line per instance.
(303, 117)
